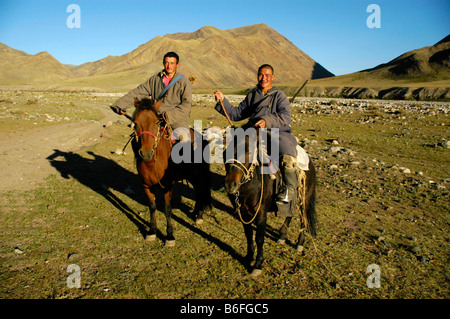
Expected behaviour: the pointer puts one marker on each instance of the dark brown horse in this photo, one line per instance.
(152, 148)
(252, 194)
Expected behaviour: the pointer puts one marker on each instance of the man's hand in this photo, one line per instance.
(219, 96)
(261, 123)
(117, 109)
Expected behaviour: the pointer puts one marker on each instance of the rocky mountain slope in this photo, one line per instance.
(421, 74)
(18, 67)
(229, 59)
(432, 61)
(217, 58)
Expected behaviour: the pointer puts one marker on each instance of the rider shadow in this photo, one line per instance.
(103, 175)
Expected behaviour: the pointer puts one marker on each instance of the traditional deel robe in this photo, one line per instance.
(176, 103)
(273, 107)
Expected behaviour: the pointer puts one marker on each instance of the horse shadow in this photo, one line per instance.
(104, 176)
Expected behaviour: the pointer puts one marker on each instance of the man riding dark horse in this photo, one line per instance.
(267, 107)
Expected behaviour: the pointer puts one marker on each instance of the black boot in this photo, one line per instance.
(287, 192)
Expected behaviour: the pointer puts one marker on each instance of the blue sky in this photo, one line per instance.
(332, 32)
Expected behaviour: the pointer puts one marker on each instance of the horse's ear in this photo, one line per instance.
(157, 105)
(136, 102)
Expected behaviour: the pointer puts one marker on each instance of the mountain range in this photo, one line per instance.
(421, 74)
(221, 59)
(18, 67)
(427, 66)
(429, 61)
(216, 58)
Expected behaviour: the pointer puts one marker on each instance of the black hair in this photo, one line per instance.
(266, 66)
(172, 55)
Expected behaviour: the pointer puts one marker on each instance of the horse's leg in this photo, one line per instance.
(198, 213)
(202, 187)
(284, 230)
(198, 209)
(203, 203)
(301, 238)
(151, 235)
(170, 239)
(250, 247)
(260, 234)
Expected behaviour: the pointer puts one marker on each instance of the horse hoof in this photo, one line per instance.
(300, 249)
(256, 272)
(281, 241)
(199, 222)
(170, 243)
(150, 237)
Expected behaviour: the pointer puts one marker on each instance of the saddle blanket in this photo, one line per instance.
(302, 159)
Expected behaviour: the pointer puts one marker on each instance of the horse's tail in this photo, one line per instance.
(311, 212)
(308, 198)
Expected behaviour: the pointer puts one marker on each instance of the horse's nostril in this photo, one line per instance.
(146, 155)
(231, 187)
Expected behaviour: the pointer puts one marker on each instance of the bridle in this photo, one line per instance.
(247, 176)
(247, 172)
(156, 137)
(166, 129)
(146, 132)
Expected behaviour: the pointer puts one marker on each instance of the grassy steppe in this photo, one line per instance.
(91, 212)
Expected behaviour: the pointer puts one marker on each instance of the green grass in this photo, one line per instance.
(368, 214)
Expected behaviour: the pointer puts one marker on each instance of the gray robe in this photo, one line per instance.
(274, 108)
(176, 103)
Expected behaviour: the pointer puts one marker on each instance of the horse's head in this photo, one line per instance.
(240, 157)
(147, 125)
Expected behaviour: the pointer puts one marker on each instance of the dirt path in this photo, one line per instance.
(23, 155)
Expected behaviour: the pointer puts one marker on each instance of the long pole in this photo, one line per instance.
(226, 114)
(298, 91)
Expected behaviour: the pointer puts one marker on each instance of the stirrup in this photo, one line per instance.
(285, 199)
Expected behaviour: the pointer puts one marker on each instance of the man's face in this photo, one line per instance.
(170, 65)
(265, 78)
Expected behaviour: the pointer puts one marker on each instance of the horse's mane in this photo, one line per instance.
(145, 104)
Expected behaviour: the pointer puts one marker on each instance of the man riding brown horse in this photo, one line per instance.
(162, 106)
(172, 89)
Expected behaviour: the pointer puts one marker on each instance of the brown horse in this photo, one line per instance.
(152, 147)
(252, 193)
